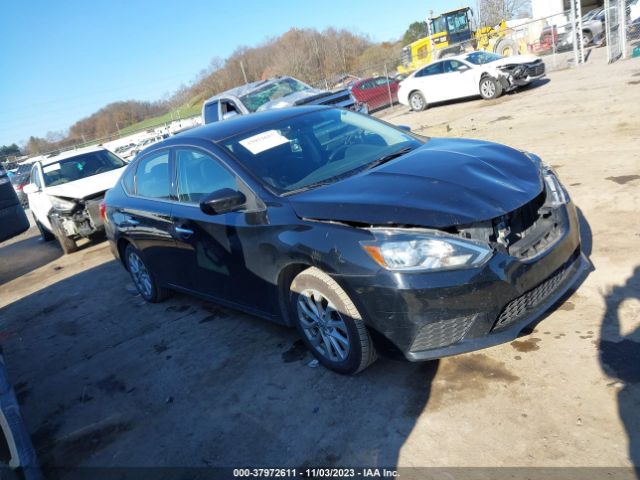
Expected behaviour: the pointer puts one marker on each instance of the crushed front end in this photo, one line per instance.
(519, 74)
(536, 258)
(77, 217)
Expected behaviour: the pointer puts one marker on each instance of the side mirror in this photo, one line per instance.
(463, 69)
(406, 128)
(30, 189)
(228, 115)
(222, 201)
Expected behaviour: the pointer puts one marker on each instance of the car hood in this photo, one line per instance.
(514, 60)
(445, 182)
(86, 187)
(309, 96)
(290, 100)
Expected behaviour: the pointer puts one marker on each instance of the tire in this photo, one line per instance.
(143, 279)
(314, 288)
(506, 47)
(417, 102)
(490, 88)
(45, 234)
(587, 38)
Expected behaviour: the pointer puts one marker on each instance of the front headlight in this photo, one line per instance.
(62, 205)
(406, 251)
(555, 191)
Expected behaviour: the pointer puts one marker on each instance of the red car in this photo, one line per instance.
(375, 91)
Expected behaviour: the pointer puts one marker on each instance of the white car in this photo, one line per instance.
(145, 143)
(124, 151)
(477, 73)
(65, 192)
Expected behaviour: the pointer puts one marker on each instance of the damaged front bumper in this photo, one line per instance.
(437, 314)
(518, 75)
(83, 220)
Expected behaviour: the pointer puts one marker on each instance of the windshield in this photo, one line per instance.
(273, 91)
(480, 58)
(81, 166)
(317, 148)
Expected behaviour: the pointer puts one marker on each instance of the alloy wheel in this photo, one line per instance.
(140, 274)
(416, 102)
(488, 88)
(323, 325)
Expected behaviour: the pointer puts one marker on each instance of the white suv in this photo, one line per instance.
(65, 192)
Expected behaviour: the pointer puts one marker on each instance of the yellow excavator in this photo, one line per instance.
(450, 33)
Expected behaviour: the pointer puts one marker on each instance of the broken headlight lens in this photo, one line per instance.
(403, 251)
(62, 205)
(556, 194)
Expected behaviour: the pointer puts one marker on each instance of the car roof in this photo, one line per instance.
(218, 131)
(244, 89)
(71, 154)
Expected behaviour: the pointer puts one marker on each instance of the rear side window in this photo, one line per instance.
(128, 180)
(200, 174)
(433, 69)
(152, 176)
(211, 112)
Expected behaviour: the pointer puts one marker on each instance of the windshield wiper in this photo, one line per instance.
(389, 157)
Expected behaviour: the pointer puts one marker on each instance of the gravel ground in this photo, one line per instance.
(105, 379)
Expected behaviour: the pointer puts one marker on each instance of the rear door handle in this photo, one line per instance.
(184, 232)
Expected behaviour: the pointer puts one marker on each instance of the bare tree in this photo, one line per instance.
(490, 13)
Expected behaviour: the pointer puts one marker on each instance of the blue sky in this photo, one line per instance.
(61, 61)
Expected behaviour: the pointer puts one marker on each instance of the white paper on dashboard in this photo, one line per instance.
(51, 168)
(263, 141)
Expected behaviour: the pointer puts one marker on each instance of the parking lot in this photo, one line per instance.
(105, 379)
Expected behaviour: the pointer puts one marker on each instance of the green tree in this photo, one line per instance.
(9, 150)
(416, 31)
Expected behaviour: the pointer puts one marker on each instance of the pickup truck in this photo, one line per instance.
(277, 92)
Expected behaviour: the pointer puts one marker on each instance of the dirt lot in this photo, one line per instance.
(106, 379)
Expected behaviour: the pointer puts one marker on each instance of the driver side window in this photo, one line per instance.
(200, 174)
(453, 66)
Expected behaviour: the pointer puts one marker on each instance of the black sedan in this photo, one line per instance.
(365, 237)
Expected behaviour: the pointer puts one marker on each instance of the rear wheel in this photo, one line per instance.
(142, 277)
(490, 88)
(417, 102)
(329, 323)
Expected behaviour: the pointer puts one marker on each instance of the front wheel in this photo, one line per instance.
(490, 88)
(45, 234)
(68, 245)
(417, 102)
(329, 323)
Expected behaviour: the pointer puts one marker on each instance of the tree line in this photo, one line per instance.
(316, 57)
(319, 58)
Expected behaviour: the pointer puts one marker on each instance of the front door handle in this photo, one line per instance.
(184, 232)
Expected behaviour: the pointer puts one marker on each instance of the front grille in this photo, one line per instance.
(535, 69)
(442, 333)
(526, 303)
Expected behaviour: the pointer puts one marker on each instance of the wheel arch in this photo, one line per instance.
(121, 246)
(285, 277)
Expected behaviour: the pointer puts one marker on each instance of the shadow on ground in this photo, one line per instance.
(34, 250)
(107, 379)
(620, 358)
